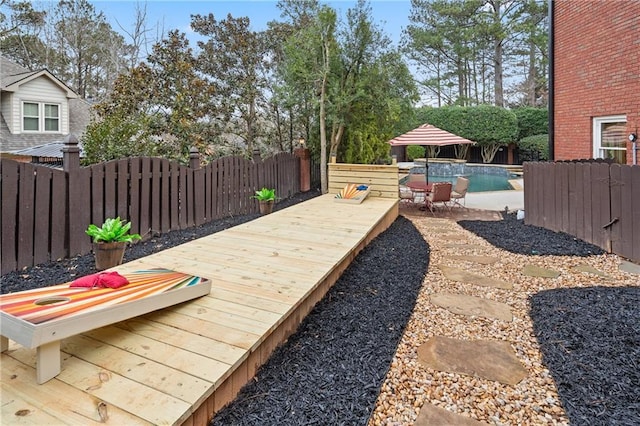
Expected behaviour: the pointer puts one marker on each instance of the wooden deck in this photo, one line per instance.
(182, 364)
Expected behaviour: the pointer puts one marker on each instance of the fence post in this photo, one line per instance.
(78, 209)
(305, 168)
(70, 153)
(194, 158)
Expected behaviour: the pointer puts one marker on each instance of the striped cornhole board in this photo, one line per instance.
(40, 318)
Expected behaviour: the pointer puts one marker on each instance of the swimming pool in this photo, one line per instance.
(479, 183)
(481, 178)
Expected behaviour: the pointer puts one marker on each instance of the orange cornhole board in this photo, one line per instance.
(40, 318)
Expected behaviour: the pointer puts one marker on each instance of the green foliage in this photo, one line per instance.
(532, 121)
(112, 230)
(534, 148)
(265, 194)
(483, 124)
(118, 136)
(415, 151)
(489, 126)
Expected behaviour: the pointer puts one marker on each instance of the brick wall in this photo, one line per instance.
(597, 70)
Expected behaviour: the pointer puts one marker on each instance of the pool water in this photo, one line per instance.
(477, 182)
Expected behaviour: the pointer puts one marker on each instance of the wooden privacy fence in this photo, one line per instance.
(594, 201)
(45, 212)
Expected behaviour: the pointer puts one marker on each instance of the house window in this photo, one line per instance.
(609, 138)
(40, 117)
(51, 118)
(31, 119)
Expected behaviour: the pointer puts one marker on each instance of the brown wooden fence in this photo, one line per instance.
(594, 201)
(45, 211)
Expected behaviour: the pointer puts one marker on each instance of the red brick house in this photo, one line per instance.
(595, 79)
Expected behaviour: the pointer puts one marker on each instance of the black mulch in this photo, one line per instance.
(330, 371)
(514, 236)
(590, 340)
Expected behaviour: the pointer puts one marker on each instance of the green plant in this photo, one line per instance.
(112, 230)
(534, 148)
(265, 194)
(415, 151)
(532, 121)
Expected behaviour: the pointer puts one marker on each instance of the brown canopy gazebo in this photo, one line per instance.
(428, 135)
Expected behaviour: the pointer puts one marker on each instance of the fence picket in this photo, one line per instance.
(42, 213)
(579, 200)
(45, 212)
(587, 202)
(122, 210)
(59, 219)
(26, 203)
(134, 194)
(586, 197)
(97, 194)
(110, 189)
(165, 195)
(635, 215)
(10, 178)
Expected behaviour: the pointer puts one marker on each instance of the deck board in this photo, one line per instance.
(180, 364)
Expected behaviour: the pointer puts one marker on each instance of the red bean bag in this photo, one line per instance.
(101, 279)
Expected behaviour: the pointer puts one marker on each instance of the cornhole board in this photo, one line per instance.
(351, 194)
(40, 318)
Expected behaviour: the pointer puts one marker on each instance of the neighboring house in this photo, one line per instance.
(595, 70)
(37, 108)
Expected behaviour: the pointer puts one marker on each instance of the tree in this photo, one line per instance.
(234, 58)
(180, 95)
(20, 14)
(93, 54)
(166, 102)
(309, 54)
(489, 126)
(466, 48)
(442, 40)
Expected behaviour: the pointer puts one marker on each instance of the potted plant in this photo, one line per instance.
(266, 198)
(109, 242)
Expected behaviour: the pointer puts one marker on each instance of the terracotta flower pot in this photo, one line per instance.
(266, 207)
(108, 255)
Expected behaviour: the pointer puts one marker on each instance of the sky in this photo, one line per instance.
(391, 15)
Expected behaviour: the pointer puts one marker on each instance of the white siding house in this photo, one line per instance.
(36, 108)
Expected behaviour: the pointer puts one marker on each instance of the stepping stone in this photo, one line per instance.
(487, 359)
(588, 269)
(483, 260)
(537, 271)
(472, 306)
(629, 267)
(433, 415)
(460, 275)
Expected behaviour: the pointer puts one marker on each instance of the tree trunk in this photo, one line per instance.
(336, 137)
(324, 186)
(531, 77)
(497, 77)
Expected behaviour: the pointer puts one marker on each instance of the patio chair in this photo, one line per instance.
(418, 195)
(459, 192)
(406, 196)
(441, 194)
